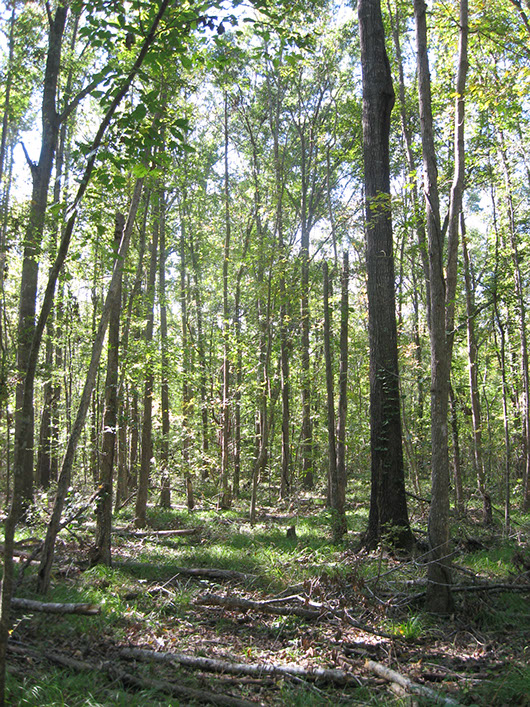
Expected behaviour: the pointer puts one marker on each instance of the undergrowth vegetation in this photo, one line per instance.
(370, 608)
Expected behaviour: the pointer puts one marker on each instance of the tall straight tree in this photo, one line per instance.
(388, 505)
(41, 175)
(102, 544)
(442, 279)
(147, 420)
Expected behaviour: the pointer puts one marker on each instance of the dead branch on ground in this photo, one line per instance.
(337, 677)
(405, 683)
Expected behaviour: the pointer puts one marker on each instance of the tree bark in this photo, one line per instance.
(388, 518)
(102, 545)
(41, 175)
(472, 355)
(63, 483)
(165, 491)
(343, 396)
(442, 299)
(147, 418)
(225, 500)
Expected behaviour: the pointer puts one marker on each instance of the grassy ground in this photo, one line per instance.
(479, 656)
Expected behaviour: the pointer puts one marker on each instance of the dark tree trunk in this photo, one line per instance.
(41, 174)
(388, 517)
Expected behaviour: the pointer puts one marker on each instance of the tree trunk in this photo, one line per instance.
(343, 397)
(457, 465)
(225, 500)
(335, 481)
(147, 417)
(102, 545)
(308, 480)
(41, 175)
(332, 451)
(165, 491)
(472, 355)
(442, 299)
(521, 314)
(388, 516)
(66, 467)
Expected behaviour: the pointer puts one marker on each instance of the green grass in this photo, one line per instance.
(63, 688)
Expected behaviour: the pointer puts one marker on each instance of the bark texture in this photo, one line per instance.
(388, 507)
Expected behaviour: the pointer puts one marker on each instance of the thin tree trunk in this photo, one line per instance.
(521, 314)
(285, 482)
(102, 544)
(165, 491)
(442, 298)
(332, 451)
(472, 355)
(66, 467)
(343, 396)
(307, 426)
(147, 417)
(225, 497)
(457, 465)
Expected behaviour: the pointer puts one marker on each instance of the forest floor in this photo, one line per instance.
(240, 615)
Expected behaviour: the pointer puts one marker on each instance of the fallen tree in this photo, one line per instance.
(408, 685)
(55, 607)
(337, 677)
(264, 606)
(117, 674)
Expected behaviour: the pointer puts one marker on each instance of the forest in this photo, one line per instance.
(264, 357)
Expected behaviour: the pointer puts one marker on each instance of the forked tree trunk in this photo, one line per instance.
(388, 518)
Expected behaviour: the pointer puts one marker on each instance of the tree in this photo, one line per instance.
(102, 545)
(388, 508)
(442, 300)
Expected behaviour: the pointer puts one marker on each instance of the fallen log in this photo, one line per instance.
(115, 673)
(55, 607)
(407, 684)
(263, 606)
(213, 665)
